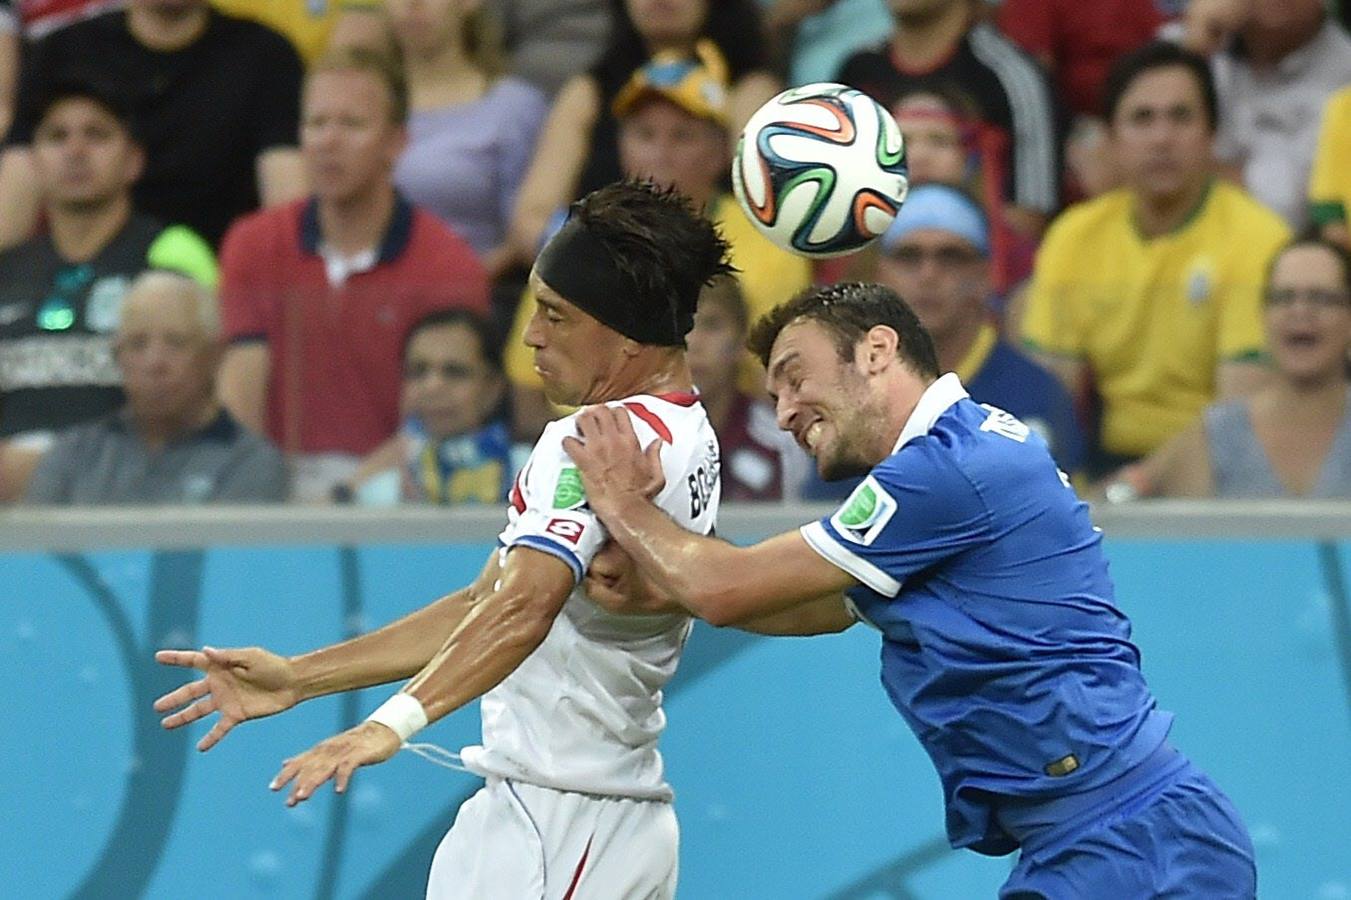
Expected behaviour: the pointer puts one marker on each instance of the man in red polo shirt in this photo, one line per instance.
(318, 295)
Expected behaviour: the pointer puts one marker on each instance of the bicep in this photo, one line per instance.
(531, 583)
(281, 176)
(243, 382)
(824, 615)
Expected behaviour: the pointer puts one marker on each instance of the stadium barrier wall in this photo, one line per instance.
(794, 776)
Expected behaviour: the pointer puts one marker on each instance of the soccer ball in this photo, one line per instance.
(820, 170)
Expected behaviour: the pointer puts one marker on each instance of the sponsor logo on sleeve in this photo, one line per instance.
(569, 492)
(567, 529)
(866, 512)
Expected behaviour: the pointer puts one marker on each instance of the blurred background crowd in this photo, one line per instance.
(274, 250)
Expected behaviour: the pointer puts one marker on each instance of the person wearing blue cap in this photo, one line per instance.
(936, 255)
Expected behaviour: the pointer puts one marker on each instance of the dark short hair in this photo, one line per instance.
(658, 242)
(482, 329)
(849, 310)
(101, 95)
(383, 66)
(1159, 55)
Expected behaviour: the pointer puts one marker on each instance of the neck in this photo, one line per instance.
(1158, 214)
(357, 223)
(444, 77)
(80, 235)
(953, 346)
(660, 373)
(922, 42)
(1266, 47)
(158, 431)
(1320, 398)
(158, 31)
(674, 45)
(901, 398)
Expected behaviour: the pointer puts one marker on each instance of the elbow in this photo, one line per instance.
(716, 606)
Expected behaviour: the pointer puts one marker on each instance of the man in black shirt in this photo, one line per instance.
(214, 98)
(942, 44)
(61, 292)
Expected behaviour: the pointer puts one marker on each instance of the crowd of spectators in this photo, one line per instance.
(1128, 226)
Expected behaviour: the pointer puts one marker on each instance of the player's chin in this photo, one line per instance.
(836, 468)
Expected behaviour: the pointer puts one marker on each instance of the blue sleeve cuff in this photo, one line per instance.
(544, 545)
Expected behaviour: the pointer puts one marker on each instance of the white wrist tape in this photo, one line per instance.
(402, 714)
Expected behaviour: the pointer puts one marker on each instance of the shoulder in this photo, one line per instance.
(239, 33)
(246, 443)
(868, 62)
(1005, 59)
(1226, 414)
(437, 245)
(521, 95)
(269, 223)
(95, 30)
(1091, 216)
(1008, 363)
(1234, 207)
(81, 439)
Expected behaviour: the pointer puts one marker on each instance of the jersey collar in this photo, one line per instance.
(937, 399)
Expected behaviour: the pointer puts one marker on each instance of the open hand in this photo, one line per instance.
(240, 684)
(336, 758)
(610, 460)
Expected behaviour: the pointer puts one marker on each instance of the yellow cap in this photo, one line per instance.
(696, 84)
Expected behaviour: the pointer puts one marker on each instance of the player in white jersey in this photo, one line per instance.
(576, 801)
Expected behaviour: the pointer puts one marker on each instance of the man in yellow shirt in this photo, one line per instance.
(1152, 293)
(1330, 185)
(673, 120)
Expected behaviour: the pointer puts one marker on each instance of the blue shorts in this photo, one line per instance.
(1178, 837)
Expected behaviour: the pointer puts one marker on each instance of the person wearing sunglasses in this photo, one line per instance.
(1292, 438)
(936, 255)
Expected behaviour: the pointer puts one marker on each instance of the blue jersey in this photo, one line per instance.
(1002, 646)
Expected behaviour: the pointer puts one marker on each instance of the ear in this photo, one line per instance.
(880, 345)
(135, 164)
(630, 347)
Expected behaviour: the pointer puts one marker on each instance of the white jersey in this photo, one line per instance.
(583, 712)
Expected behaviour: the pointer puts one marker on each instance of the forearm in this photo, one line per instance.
(677, 563)
(397, 651)
(485, 648)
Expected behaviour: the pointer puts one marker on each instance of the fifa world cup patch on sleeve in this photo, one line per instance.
(866, 512)
(569, 492)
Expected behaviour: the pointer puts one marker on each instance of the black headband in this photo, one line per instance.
(582, 270)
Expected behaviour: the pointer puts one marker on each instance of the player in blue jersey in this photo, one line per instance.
(968, 550)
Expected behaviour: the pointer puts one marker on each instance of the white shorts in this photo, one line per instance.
(514, 841)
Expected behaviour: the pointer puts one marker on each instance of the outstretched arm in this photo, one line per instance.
(614, 583)
(718, 582)
(250, 682)
(485, 647)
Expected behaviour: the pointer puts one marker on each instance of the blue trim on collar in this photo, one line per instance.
(392, 245)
